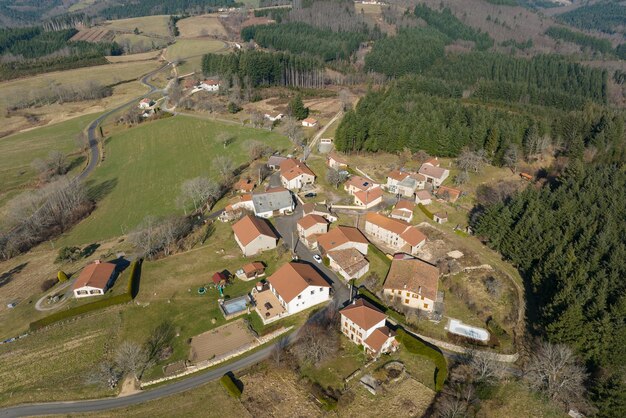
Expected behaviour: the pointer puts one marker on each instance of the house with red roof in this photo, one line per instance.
(365, 325)
(413, 283)
(341, 238)
(94, 280)
(403, 210)
(395, 233)
(310, 227)
(309, 122)
(295, 174)
(368, 198)
(254, 235)
(433, 173)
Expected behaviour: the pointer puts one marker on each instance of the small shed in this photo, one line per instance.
(219, 278)
(440, 217)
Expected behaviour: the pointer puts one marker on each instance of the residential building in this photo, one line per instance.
(403, 210)
(209, 85)
(146, 103)
(413, 283)
(94, 280)
(434, 174)
(448, 193)
(395, 233)
(309, 122)
(311, 226)
(368, 198)
(295, 174)
(349, 263)
(404, 183)
(319, 209)
(254, 235)
(244, 185)
(365, 325)
(341, 238)
(272, 202)
(424, 197)
(274, 162)
(440, 217)
(357, 183)
(273, 117)
(298, 287)
(236, 206)
(336, 161)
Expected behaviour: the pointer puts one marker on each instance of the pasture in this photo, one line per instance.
(197, 26)
(145, 166)
(156, 25)
(186, 48)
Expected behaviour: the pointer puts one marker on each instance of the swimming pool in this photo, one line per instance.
(235, 306)
(459, 328)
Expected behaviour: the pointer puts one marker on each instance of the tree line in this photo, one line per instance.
(301, 38)
(605, 16)
(162, 7)
(256, 68)
(586, 41)
(567, 238)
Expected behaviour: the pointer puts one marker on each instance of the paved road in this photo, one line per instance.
(94, 150)
(141, 397)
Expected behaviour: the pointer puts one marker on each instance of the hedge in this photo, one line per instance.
(416, 346)
(132, 290)
(372, 298)
(230, 386)
(426, 211)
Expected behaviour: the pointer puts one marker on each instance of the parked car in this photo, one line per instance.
(310, 194)
(317, 258)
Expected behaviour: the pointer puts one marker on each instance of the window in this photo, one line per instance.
(408, 294)
(321, 289)
(406, 301)
(426, 306)
(415, 296)
(422, 297)
(312, 292)
(299, 296)
(345, 323)
(359, 334)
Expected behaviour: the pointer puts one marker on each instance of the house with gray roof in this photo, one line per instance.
(272, 202)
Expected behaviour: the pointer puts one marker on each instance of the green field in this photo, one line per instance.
(145, 166)
(184, 48)
(149, 24)
(18, 151)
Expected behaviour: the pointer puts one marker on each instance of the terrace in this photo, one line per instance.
(268, 306)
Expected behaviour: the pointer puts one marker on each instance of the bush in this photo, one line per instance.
(234, 107)
(61, 276)
(426, 211)
(68, 254)
(415, 346)
(231, 386)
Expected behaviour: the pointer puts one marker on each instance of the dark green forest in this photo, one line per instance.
(568, 239)
(300, 38)
(586, 41)
(255, 68)
(606, 16)
(161, 7)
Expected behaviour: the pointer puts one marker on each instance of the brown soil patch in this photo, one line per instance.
(219, 341)
(277, 393)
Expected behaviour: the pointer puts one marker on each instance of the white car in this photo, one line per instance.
(317, 258)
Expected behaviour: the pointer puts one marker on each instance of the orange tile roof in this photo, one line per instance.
(253, 267)
(378, 338)
(360, 183)
(452, 193)
(95, 275)
(434, 161)
(248, 228)
(364, 314)
(368, 196)
(413, 275)
(423, 194)
(405, 205)
(292, 168)
(398, 175)
(351, 261)
(432, 171)
(413, 236)
(310, 120)
(394, 225)
(339, 236)
(339, 158)
(246, 185)
(293, 278)
(311, 220)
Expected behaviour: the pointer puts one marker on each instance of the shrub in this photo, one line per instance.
(231, 386)
(68, 254)
(61, 276)
(416, 346)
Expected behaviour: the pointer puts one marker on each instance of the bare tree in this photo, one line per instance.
(175, 91)
(455, 401)
(106, 374)
(334, 177)
(279, 351)
(293, 129)
(316, 343)
(256, 119)
(200, 191)
(131, 357)
(160, 339)
(484, 367)
(257, 149)
(510, 157)
(344, 98)
(554, 370)
(224, 165)
(461, 178)
(55, 165)
(471, 160)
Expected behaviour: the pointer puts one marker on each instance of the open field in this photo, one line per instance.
(515, 400)
(142, 56)
(18, 151)
(203, 25)
(207, 401)
(145, 166)
(56, 363)
(193, 47)
(149, 24)
(80, 5)
(139, 43)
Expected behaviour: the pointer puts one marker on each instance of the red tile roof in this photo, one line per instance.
(292, 168)
(368, 196)
(360, 183)
(414, 275)
(378, 338)
(405, 205)
(364, 314)
(309, 221)
(293, 278)
(95, 275)
(248, 228)
(398, 175)
(339, 236)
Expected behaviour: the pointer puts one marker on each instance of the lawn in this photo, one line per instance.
(513, 399)
(149, 24)
(332, 372)
(203, 25)
(184, 48)
(54, 364)
(18, 151)
(140, 42)
(145, 167)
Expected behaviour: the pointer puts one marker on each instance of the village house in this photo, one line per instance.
(349, 263)
(311, 226)
(368, 198)
(403, 210)
(413, 283)
(189, 83)
(295, 174)
(94, 280)
(341, 238)
(440, 217)
(209, 85)
(319, 209)
(236, 206)
(244, 185)
(272, 202)
(254, 235)
(433, 173)
(146, 103)
(404, 183)
(309, 122)
(365, 325)
(448, 193)
(274, 162)
(424, 197)
(356, 184)
(336, 161)
(293, 288)
(396, 234)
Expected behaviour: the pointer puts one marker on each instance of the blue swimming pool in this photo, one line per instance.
(234, 306)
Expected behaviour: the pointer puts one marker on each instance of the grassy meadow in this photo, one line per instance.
(203, 25)
(149, 24)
